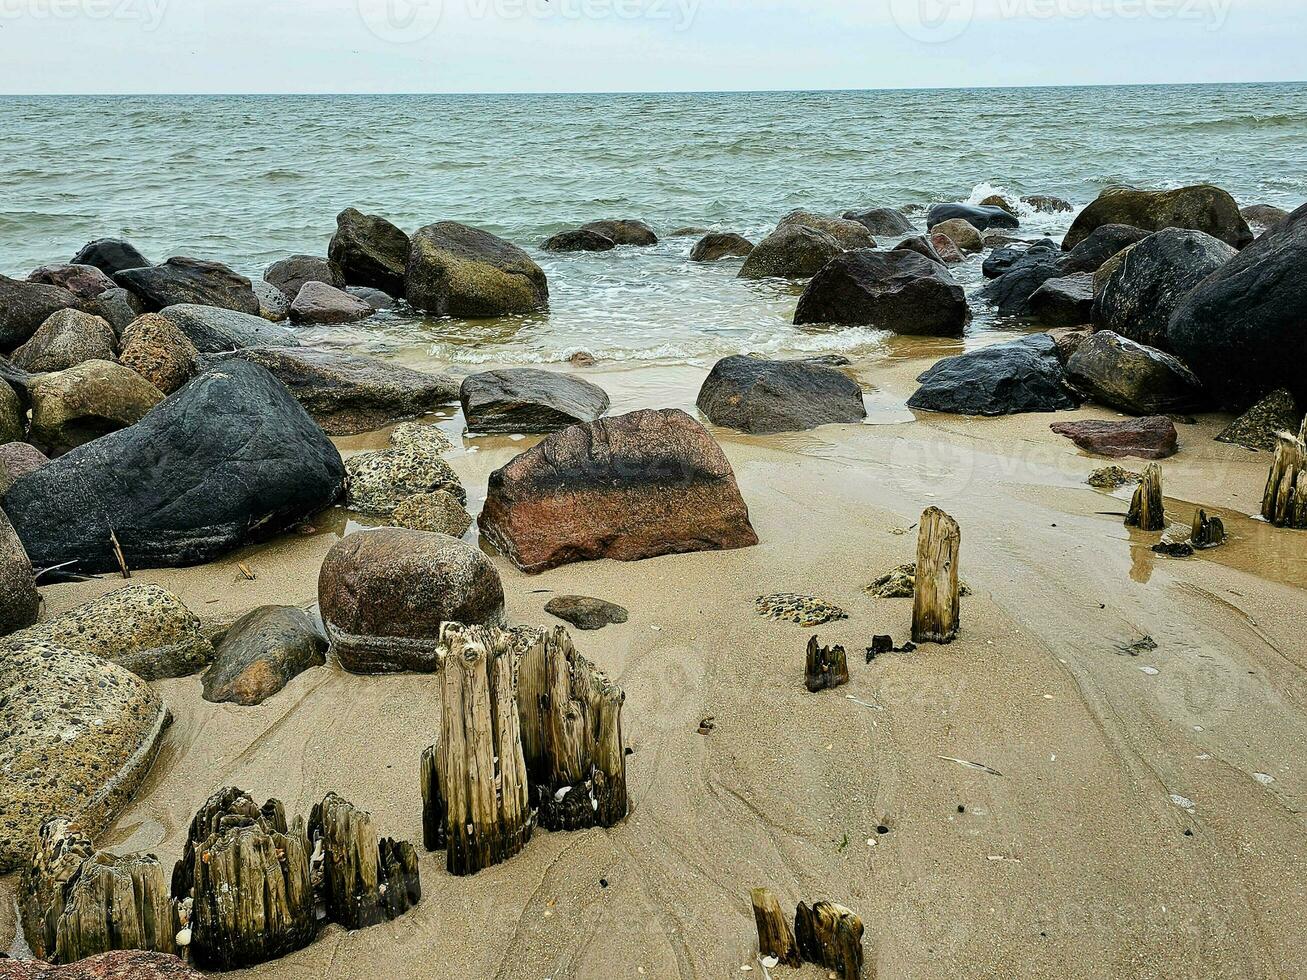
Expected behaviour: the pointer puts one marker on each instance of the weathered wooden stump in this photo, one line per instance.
(571, 723)
(434, 811)
(1284, 503)
(831, 936)
(482, 773)
(364, 881)
(56, 859)
(1207, 532)
(1147, 511)
(826, 667)
(936, 606)
(774, 935)
(116, 903)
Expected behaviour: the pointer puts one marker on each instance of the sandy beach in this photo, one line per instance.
(1135, 815)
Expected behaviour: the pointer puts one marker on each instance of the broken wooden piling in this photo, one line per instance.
(1284, 503)
(364, 880)
(774, 935)
(1207, 532)
(1147, 511)
(434, 811)
(936, 605)
(830, 936)
(825, 667)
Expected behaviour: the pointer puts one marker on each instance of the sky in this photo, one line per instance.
(364, 46)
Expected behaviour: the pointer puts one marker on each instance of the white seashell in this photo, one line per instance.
(184, 936)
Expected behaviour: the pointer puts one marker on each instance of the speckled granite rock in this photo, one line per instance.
(378, 482)
(273, 305)
(585, 612)
(157, 350)
(79, 735)
(1256, 428)
(65, 339)
(143, 628)
(262, 652)
(415, 435)
(804, 610)
(12, 415)
(901, 583)
(132, 964)
(20, 603)
(1112, 477)
(435, 511)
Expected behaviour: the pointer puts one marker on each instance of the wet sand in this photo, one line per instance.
(1146, 823)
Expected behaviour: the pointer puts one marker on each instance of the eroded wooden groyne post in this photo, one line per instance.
(824, 667)
(365, 880)
(936, 604)
(774, 935)
(831, 936)
(1146, 508)
(1284, 503)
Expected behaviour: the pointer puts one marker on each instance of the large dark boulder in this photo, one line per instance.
(882, 222)
(213, 330)
(370, 251)
(1243, 329)
(455, 270)
(24, 306)
(529, 400)
(1133, 378)
(790, 252)
(630, 487)
(756, 395)
(1010, 292)
(194, 281)
(291, 273)
(579, 240)
(1100, 245)
(978, 216)
(1002, 259)
(228, 458)
(720, 245)
(900, 291)
(1201, 207)
(1147, 285)
(624, 231)
(110, 255)
(1067, 301)
(351, 393)
(1023, 375)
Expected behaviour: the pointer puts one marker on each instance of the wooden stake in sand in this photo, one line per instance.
(831, 936)
(364, 881)
(936, 607)
(1146, 510)
(434, 811)
(1207, 532)
(1285, 502)
(774, 935)
(482, 773)
(826, 667)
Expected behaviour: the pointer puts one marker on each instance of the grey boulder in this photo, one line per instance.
(752, 394)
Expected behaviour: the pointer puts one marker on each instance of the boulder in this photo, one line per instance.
(435, 511)
(420, 435)
(1152, 437)
(1047, 203)
(1100, 245)
(946, 249)
(18, 459)
(320, 303)
(690, 231)
(291, 273)
(1023, 375)
(1133, 378)
(720, 245)
(375, 298)
(454, 270)
(1263, 216)
(88, 400)
(24, 306)
(980, 217)
(579, 240)
(528, 400)
(20, 603)
(80, 734)
(1064, 302)
(1106, 270)
(629, 487)
(627, 231)
(110, 256)
(379, 481)
(1010, 292)
(229, 458)
(752, 394)
(159, 352)
(1201, 207)
(790, 252)
(899, 291)
(881, 222)
(586, 613)
(922, 245)
(119, 306)
(13, 415)
(65, 340)
(999, 201)
(142, 628)
(1242, 328)
(261, 653)
(273, 305)
(370, 251)
(1257, 428)
(1069, 339)
(128, 964)
(190, 281)
(385, 593)
(1140, 295)
(1003, 258)
(849, 234)
(83, 281)
(351, 393)
(214, 330)
(961, 233)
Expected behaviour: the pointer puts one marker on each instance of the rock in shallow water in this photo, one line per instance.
(1152, 437)
(849, 234)
(720, 245)
(290, 274)
(754, 394)
(900, 291)
(790, 252)
(1023, 375)
(1066, 301)
(981, 218)
(321, 303)
(528, 400)
(1132, 377)
(579, 240)
(213, 330)
(370, 251)
(455, 270)
(385, 593)
(379, 481)
(1201, 207)
(261, 653)
(963, 234)
(624, 231)
(584, 612)
(1100, 246)
(184, 280)
(629, 487)
(881, 222)
(229, 458)
(438, 510)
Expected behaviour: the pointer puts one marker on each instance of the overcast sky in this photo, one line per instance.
(110, 46)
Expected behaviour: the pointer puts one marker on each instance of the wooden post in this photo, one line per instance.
(357, 887)
(826, 667)
(1207, 532)
(116, 903)
(56, 859)
(774, 935)
(830, 935)
(1146, 509)
(936, 608)
(434, 811)
(1284, 503)
(479, 753)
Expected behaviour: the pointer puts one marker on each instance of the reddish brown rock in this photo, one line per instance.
(946, 249)
(84, 281)
(127, 964)
(1152, 437)
(630, 487)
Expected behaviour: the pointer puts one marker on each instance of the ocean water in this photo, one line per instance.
(247, 180)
